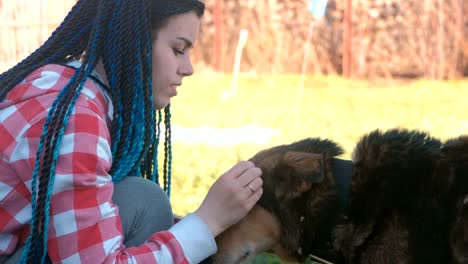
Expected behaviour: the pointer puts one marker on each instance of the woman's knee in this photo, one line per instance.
(144, 209)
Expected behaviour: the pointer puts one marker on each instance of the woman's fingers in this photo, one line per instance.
(252, 187)
(245, 178)
(249, 175)
(256, 183)
(231, 197)
(239, 169)
(253, 199)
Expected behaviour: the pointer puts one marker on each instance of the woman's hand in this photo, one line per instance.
(231, 197)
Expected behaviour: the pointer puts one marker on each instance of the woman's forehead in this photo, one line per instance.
(184, 27)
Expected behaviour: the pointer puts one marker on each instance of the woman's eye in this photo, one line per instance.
(179, 51)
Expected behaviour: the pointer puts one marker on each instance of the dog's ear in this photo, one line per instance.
(297, 172)
(307, 165)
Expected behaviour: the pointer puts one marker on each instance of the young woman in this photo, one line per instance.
(80, 117)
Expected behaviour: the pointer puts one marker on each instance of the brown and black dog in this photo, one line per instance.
(300, 191)
(408, 202)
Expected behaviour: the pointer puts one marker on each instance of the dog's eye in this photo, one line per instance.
(244, 257)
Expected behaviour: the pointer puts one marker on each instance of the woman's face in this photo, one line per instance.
(171, 56)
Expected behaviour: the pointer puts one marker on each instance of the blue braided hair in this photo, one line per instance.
(119, 33)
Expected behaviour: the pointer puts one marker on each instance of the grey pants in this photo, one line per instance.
(144, 210)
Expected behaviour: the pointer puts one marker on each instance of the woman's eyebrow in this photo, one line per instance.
(188, 43)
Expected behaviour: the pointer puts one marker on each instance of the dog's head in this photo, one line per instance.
(293, 175)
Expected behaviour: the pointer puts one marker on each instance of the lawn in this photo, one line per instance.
(330, 107)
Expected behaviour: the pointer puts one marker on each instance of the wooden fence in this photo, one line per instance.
(25, 25)
(390, 38)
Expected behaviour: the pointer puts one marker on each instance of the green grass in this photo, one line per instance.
(330, 107)
(267, 258)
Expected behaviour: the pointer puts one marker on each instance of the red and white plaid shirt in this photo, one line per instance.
(84, 223)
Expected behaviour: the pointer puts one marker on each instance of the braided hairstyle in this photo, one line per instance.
(119, 33)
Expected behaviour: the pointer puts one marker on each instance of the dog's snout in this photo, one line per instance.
(208, 260)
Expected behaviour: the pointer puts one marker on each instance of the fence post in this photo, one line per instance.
(218, 35)
(318, 9)
(347, 38)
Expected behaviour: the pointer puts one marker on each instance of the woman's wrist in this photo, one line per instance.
(209, 221)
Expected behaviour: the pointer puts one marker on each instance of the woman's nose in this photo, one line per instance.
(186, 68)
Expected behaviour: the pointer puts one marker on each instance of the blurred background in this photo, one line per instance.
(271, 72)
(362, 38)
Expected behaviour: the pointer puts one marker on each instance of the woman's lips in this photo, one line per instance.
(173, 88)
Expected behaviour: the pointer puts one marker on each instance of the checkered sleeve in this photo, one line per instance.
(85, 226)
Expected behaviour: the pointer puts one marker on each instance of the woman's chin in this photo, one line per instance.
(158, 105)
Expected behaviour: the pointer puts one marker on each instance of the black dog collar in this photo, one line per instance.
(343, 171)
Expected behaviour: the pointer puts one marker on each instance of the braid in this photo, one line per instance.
(167, 151)
(155, 174)
(133, 125)
(150, 117)
(119, 33)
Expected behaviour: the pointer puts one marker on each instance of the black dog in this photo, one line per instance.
(397, 213)
(454, 166)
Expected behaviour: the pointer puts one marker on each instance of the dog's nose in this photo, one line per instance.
(208, 260)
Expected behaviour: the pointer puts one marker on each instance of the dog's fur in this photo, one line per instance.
(454, 160)
(408, 203)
